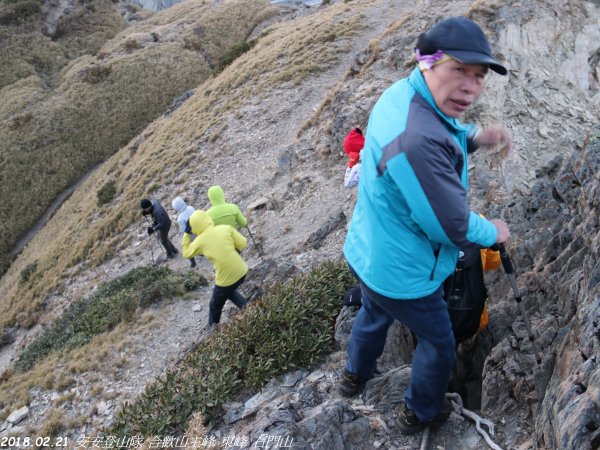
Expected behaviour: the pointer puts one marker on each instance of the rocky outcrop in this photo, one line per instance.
(555, 401)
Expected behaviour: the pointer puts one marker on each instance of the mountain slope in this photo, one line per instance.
(58, 127)
(269, 129)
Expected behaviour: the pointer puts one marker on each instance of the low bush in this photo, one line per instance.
(28, 271)
(233, 53)
(106, 193)
(96, 74)
(114, 302)
(288, 328)
(14, 12)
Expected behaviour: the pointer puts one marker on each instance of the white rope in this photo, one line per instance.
(425, 440)
(479, 421)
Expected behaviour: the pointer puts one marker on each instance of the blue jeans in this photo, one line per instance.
(434, 356)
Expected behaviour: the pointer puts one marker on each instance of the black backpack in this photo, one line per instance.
(465, 293)
(352, 297)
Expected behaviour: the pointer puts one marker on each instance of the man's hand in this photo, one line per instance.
(495, 135)
(502, 229)
(188, 228)
(150, 230)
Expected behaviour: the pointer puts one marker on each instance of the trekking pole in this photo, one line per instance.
(252, 237)
(149, 222)
(155, 235)
(508, 268)
(151, 250)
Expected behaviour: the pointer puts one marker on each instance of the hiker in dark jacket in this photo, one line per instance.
(412, 215)
(161, 223)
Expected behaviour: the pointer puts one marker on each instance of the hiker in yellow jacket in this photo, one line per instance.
(223, 213)
(220, 244)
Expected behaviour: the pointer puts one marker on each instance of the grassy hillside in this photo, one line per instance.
(285, 54)
(28, 49)
(52, 136)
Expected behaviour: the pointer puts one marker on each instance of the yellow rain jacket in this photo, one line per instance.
(219, 244)
(224, 213)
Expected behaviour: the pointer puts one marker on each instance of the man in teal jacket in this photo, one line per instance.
(412, 216)
(223, 213)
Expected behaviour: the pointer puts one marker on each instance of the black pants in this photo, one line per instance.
(220, 295)
(163, 237)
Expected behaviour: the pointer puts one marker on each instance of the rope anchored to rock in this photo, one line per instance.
(457, 404)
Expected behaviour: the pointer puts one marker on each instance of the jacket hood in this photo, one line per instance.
(178, 204)
(216, 195)
(354, 142)
(199, 221)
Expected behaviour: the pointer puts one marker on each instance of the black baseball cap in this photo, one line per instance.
(463, 40)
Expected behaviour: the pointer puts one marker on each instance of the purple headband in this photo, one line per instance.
(426, 62)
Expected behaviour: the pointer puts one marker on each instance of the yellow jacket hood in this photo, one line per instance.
(216, 195)
(199, 222)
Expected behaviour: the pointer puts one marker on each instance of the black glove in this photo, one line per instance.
(150, 230)
(188, 228)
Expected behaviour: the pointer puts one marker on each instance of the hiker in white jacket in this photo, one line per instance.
(185, 212)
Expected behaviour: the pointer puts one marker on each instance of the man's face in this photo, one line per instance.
(455, 86)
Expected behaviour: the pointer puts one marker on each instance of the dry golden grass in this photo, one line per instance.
(51, 138)
(194, 434)
(81, 235)
(54, 424)
(88, 234)
(25, 51)
(196, 428)
(59, 371)
(482, 7)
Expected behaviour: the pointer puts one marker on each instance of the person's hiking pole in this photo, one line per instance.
(252, 237)
(149, 222)
(508, 268)
(151, 250)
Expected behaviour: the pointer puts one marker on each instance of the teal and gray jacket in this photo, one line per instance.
(412, 216)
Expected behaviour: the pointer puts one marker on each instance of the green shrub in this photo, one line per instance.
(96, 74)
(106, 193)
(290, 327)
(131, 45)
(29, 270)
(18, 11)
(233, 53)
(116, 301)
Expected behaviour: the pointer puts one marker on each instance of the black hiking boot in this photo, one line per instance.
(350, 384)
(409, 423)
